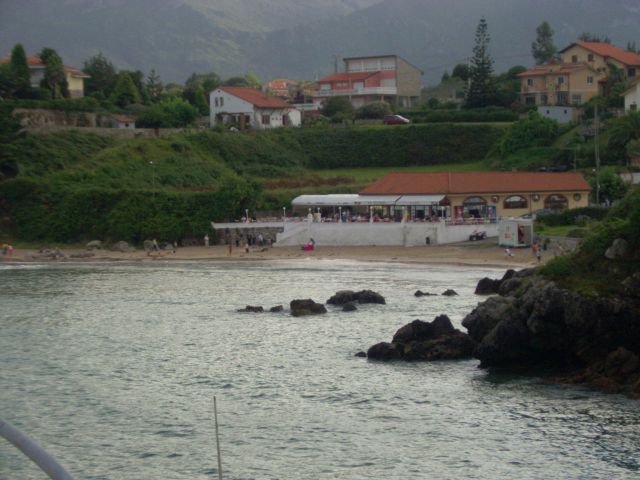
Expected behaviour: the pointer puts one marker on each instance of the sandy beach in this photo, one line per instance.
(484, 253)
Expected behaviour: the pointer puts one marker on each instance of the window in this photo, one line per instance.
(631, 72)
(215, 101)
(590, 80)
(574, 58)
(222, 101)
(560, 80)
(529, 82)
(530, 100)
(556, 202)
(576, 99)
(562, 98)
(590, 57)
(633, 107)
(325, 86)
(577, 197)
(516, 201)
(266, 119)
(474, 201)
(544, 99)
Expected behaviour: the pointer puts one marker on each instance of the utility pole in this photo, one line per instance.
(597, 153)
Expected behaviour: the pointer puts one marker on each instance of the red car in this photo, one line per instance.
(395, 120)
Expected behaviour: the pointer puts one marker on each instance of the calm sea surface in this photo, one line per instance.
(113, 369)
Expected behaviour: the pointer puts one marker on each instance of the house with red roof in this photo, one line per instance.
(74, 76)
(245, 107)
(578, 77)
(388, 78)
(281, 88)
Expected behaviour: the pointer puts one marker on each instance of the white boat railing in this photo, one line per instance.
(35, 452)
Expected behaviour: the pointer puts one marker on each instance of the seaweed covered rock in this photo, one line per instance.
(489, 286)
(420, 340)
(349, 296)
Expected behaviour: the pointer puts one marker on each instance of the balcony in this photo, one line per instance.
(357, 91)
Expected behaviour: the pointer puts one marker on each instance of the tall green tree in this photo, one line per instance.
(20, 71)
(55, 79)
(481, 91)
(201, 101)
(125, 91)
(543, 49)
(102, 76)
(138, 80)
(461, 71)
(154, 86)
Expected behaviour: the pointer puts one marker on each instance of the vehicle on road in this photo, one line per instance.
(395, 120)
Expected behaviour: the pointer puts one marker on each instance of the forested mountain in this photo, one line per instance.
(298, 38)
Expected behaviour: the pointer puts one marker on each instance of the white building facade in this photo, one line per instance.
(244, 107)
(632, 98)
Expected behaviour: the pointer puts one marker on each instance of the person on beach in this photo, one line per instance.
(539, 255)
(534, 249)
(206, 240)
(154, 245)
(230, 248)
(508, 252)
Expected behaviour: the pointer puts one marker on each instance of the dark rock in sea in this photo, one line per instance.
(420, 340)
(449, 293)
(534, 323)
(420, 293)
(490, 286)
(252, 309)
(361, 355)
(277, 308)
(306, 307)
(363, 296)
(349, 307)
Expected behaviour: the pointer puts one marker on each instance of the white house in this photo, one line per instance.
(632, 98)
(246, 107)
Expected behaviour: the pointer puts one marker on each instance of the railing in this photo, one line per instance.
(35, 452)
(357, 91)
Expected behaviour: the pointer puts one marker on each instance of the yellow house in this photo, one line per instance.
(75, 77)
(576, 79)
(601, 57)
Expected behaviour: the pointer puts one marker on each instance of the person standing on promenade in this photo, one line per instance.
(534, 249)
(206, 240)
(538, 255)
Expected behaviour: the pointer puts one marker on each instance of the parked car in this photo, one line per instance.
(395, 120)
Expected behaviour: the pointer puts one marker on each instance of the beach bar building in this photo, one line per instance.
(426, 208)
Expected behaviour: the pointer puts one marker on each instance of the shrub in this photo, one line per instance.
(375, 110)
(172, 112)
(534, 131)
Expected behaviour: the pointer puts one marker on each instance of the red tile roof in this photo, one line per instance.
(608, 50)
(280, 84)
(560, 69)
(341, 77)
(256, 97)
(475, 183)
(35, 62)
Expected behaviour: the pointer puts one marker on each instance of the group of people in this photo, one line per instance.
(536, 250)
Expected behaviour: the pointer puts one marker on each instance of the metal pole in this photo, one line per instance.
(215, 416)
(35, 452)
(597, 153)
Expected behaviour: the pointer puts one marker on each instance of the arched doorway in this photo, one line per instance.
(475, 207)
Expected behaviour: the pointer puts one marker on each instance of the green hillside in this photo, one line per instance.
(74, 186)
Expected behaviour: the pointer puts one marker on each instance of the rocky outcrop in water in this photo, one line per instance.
(307, 306)
(535, 323)
(449, 293)
(420, 340)
(420, 293)
(252, 309)
(349, 296)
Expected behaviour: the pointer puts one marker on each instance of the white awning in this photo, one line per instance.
(343, 200)
(336, 200)
(376, 200)
(420, 199)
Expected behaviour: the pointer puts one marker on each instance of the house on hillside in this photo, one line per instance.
(426, 208)
(388, 78)
(75, 77)
(578, 77)
(245, 107)
(632, 97)
(123, 121)
(281, 88)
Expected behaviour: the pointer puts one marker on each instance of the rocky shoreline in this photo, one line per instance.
(533, 324)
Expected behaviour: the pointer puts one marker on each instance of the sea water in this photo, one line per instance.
(113, 369)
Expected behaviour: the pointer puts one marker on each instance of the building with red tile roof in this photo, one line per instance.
(281, 87)
(387, 78)
(245, 107)
(579, 75)
(74, 76)
(488, 194)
